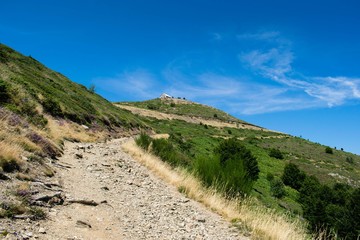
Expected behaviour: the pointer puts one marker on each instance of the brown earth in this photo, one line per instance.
(109, 195)
(195, 120)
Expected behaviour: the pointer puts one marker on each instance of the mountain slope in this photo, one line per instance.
(28, 85)
(39, 109)
(296, 176)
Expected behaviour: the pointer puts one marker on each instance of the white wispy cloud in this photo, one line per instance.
(276, 64)
(139, 83)
(261, 35)
(267, 81)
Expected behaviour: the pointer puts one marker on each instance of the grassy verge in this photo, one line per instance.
(262, 222)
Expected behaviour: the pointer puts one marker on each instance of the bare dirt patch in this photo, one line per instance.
(195, 120)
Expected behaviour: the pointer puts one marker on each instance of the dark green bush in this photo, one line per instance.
(329, 150)
(172, 104)
(168, 153)
(270, 177)
(276, 153)
(4, 94)
(277, 188)
(232, 170)
(52, 107)
(152, 106)
(293, 176)
(232, 149)
(9, 165)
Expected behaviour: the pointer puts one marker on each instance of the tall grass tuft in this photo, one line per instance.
(143, 141)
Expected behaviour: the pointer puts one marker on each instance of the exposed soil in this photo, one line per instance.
(109, 195)
(195, 120)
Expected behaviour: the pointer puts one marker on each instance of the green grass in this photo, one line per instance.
(30, 84)
(187, 109)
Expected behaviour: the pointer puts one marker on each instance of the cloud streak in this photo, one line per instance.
(266, 82)
(276, 64)
(140, 84)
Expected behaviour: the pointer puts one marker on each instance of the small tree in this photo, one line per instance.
(92, 88)
(276, 153)
(292, 176)
(233, 149)
(329, 150)
(277, 188)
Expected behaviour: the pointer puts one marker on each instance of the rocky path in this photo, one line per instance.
(111, 196)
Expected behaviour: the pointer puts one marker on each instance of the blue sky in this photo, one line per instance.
(291, 66)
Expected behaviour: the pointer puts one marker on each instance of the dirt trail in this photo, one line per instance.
(132, 202)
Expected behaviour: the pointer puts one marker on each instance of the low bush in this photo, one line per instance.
(4, 95)
(329, 150)
(9, 165)
(276, 153)
(168, 153)
(277, 188)
(152, 106)
(293, 176)
(52, 107)
(233, 169)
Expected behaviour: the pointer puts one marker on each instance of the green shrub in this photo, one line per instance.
(91, 88)
(152, 106)
(270, 177)
(172, 104)
(232, 170)
(168, 153)
(329, 150)
(143, 141)
(52, 107)
(276, 153)
(350, 160)
(9, 165)
(208, 170)
(292, 176)
(277, 188)
(232, 149)
(4, 94)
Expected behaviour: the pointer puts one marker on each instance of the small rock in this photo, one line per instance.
(42, 230)
(85, 127)
(83, 224)
(78, 156)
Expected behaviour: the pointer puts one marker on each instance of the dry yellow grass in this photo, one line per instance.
(263, 223)
(60, 130)
(10, 151)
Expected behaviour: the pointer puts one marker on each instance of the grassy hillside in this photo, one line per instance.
(191, 143)
(184, 107)
(39, 109)
(30, 89)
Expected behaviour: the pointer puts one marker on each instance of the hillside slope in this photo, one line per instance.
(289, 166)
(39, 110)
(29, 88)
